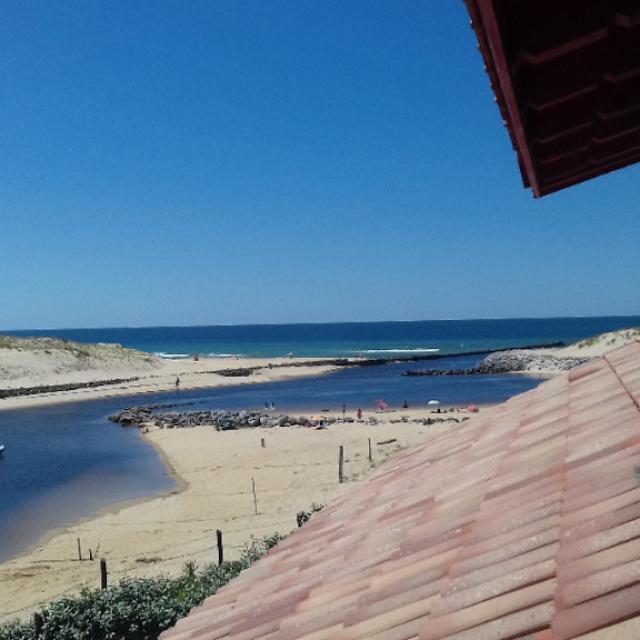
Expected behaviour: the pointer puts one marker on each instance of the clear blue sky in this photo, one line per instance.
(183, 162)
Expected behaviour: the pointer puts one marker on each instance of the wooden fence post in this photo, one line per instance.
(263, 444)
(79, 550)
(38, 623)
(370, 456)
(103, 573)
(255, 498)
(341, 465)
(220, 548)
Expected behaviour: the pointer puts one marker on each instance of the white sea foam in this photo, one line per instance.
(172, 356)
(398, 350)
(224, 355)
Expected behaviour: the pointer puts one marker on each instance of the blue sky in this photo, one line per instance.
(183, 162)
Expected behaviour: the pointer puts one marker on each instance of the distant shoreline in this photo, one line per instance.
(54, 370)
(240, 370)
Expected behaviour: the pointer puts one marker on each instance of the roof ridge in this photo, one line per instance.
(605, 357)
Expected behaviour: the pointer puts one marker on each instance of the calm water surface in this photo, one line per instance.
(65, 462)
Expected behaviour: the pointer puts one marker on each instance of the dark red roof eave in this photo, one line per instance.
(566, 78)
(484, 23)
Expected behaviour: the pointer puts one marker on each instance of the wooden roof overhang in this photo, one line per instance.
(566, 76)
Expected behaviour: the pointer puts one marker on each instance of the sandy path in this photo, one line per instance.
(297, 467)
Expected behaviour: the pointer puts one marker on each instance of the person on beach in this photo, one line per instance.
(344, 409)
(359, 414)
(405, 405)
(177, 383)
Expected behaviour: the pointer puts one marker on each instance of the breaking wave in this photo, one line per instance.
(172, 356)
(399, 350)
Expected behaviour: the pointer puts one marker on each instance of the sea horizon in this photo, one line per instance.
(313, 323)
(343, 339)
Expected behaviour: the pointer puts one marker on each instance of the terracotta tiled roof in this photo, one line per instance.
(524, 523)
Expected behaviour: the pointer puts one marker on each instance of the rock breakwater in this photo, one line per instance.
(222, 420)
(511, 361)
(219, 418)
(528, 361)
(51, 388)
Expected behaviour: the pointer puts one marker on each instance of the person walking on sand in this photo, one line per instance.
(359, 415)
(177, 383)
(344, 409)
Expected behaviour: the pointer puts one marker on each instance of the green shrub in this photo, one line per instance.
(305, 516)
(135, 609)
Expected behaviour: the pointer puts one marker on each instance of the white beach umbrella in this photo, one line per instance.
(433, 403)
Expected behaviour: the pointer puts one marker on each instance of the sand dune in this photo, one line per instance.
(599, 345)
(32, 361)
(557, 360)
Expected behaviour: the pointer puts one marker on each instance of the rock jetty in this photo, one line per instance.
(528, 361)
(511, 361)
(52, 388)
(222, 420)
(219, 418)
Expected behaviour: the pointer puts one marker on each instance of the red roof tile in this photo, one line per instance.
(522, 523)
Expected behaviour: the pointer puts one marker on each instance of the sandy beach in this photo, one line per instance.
(297, 467)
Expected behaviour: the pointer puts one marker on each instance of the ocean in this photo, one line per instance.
(372, 339)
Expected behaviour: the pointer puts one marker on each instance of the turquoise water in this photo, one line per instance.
(374, 339)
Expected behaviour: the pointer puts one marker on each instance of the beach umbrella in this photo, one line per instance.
(433, 403)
